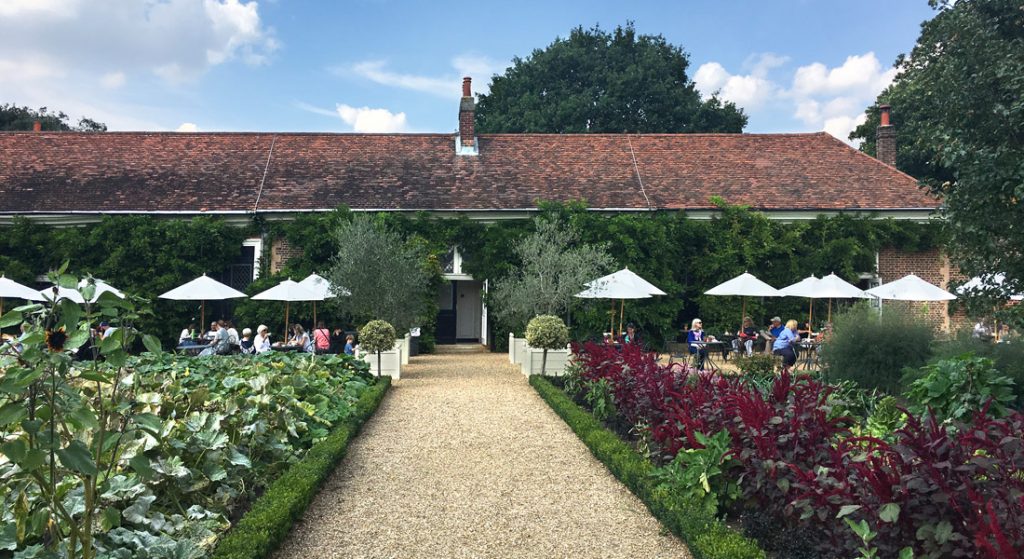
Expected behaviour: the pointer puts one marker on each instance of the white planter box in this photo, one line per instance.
(533, 358)
(516, 349)
(390, 362)
(402, 344)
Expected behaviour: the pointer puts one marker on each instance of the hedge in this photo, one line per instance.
(266, 525)
(706, 536)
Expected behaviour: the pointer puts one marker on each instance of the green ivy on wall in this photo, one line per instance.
(683, 256)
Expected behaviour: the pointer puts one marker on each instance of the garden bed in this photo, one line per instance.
(159, 454)
(808, 472)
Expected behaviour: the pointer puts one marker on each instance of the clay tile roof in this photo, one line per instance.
(61, 172)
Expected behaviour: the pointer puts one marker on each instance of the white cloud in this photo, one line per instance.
(60, 53)
(750, 91)
(820, 97)
(447, 86)
(365, 119)
(112, 80)
(187, 127)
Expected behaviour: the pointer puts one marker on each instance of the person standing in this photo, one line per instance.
(321, 338)
(350, 348)
(783, 345)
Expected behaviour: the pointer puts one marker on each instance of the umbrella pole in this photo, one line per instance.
(202, 316)
(286, 303)
(810, 318)
(622, 312)
(314, 316)
(830, 309)
(1, 306)
(743, 312)
(611, 316)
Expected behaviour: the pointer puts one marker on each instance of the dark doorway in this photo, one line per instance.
(446, 317)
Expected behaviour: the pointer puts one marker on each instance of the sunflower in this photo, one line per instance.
(55, 339)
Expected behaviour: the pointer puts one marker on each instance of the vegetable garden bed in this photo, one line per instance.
(157, 456)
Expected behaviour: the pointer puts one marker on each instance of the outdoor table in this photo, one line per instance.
(287, 348)
(193, 349)
(709, 347)
(808, 358)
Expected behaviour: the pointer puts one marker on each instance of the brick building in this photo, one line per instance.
(71, 178)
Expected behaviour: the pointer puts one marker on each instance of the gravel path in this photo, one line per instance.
(463, 459)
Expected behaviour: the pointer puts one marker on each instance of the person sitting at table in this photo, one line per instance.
(747, 334)
(696, 338)
(825, 333)
(245, 344)
(630, 337)
(783, 345)
(774, 330)
(300, 339)
(261, 343)
(350, 348)
(221, 344)
(321, 338)
(804, 329)
(232, 333)
(185, 338)
(211, 334)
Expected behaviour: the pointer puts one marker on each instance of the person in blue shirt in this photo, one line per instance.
(696, 334)
(350, 349)
(783, 345)
(774, 330)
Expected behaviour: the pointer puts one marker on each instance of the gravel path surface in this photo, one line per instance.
(463, 459)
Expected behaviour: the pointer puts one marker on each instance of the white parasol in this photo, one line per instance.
(56, 292)
(13, 290)
(982, 284)
(835, 287)
(288, 291)
(744, 285)
(323, 289)
(911, 288)
(203, 288)
(621, 285)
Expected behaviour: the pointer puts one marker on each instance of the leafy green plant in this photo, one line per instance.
(756, 365)
(872, 349)
(598, 395)
(377, 336)
(886, 418)
(547, 332)
(702, 474)
(954, 389)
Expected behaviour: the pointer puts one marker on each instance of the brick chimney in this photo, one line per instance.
(467, 115)
(37, 126)
(885, 138)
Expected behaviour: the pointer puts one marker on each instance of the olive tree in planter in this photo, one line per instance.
(547, 332)
(377, 336)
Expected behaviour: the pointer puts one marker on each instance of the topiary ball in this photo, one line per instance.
(547, 332)
(376, 335)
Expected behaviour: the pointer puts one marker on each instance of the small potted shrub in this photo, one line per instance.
(546, 332)
(377, 336)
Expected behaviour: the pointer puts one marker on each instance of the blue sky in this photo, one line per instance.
(378, 65)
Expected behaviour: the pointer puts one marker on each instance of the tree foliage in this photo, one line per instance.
(553, 266)
(385, 274)
(958, 103)
(13, 117)
(600, 81)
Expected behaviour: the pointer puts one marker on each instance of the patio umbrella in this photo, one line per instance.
(981, 284)
(911, 288)
(287, 291)
(621, 285)
(203, 288)
(803, 288)
(745, 285)
(323, 289)
(56, 292)
(14, 290)
(835, 287)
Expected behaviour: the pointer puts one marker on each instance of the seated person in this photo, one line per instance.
(299, 339)
(783, 345)
(630, 337)
(804, 329)
(246, 344)
(697, 334)
(825, 333)
(261, 343)
(221, 344)
(774, 330)
(746, 336)
(189, 332)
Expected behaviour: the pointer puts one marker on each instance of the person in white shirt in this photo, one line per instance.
(232, 333)
(262, 340)
(187, 333)
(106, 330)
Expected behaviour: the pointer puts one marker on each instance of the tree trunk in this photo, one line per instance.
(544, 363)
(378, 364)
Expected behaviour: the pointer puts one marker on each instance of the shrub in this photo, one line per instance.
(872, 349)
(547, 332)
(375, 337)
(702, 475)
(958, 388)
(1007, 357)
(758, 365)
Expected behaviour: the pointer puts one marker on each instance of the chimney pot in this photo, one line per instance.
(466, 86)
(885, 138)
(467, 117)
(37, 126)
(884, 112)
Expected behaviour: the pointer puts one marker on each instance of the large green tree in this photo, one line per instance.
(13, 117)
(958, 103)
(600, 81)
